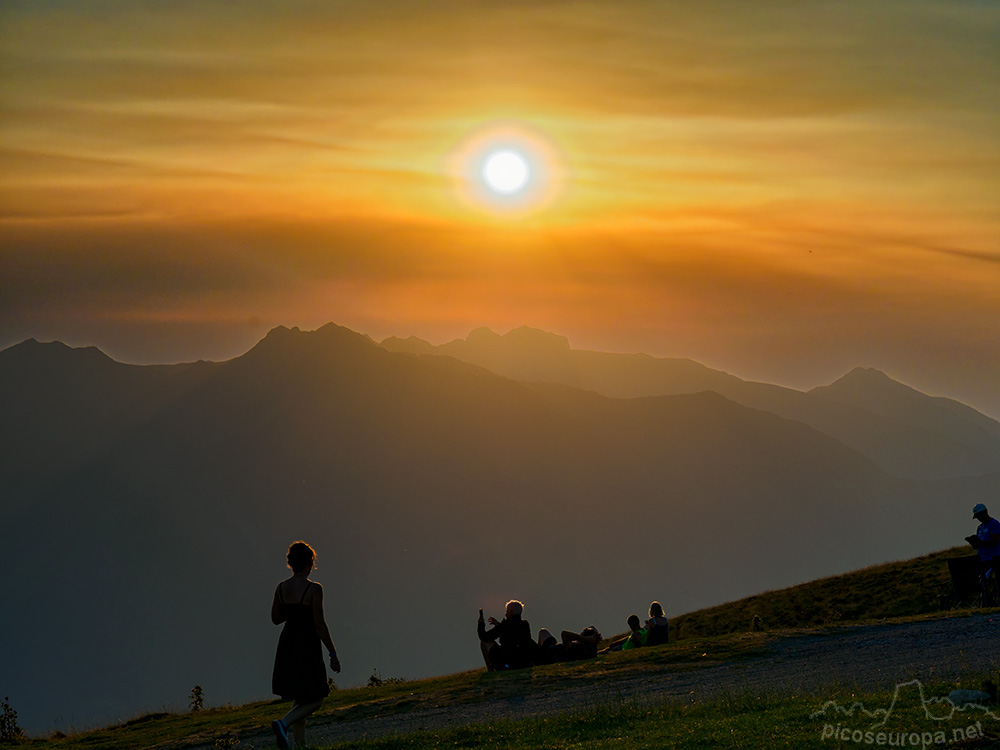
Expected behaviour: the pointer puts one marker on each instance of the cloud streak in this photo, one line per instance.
(740, 182)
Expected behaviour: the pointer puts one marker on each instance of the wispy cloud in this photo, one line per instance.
(734, 177)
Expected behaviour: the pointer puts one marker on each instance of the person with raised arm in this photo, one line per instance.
(506, 645)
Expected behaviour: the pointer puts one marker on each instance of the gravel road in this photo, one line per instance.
(865, 657)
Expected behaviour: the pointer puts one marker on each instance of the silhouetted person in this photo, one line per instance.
(637, 638)
(987, 544)
(657, 628)
(507, 645)
(299, 674)
(547, 649)
(582, 645)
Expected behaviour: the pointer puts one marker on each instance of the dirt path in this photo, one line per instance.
(866, 657)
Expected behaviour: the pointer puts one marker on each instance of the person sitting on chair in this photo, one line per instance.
(987, 544)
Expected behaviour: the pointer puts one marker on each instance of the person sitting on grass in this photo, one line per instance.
(548, 650)
(657, 628)
(637, 638)
(582, 645)
(507, 645)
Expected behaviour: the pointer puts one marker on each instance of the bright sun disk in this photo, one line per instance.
(506, 171)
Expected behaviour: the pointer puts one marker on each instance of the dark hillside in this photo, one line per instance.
(896, 589)
(430, 488)
(61, 407)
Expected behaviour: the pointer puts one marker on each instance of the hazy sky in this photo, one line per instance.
(784, 190)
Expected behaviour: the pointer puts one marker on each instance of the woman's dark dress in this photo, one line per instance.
(299, 673)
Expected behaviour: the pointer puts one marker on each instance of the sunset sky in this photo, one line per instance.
(781, 189)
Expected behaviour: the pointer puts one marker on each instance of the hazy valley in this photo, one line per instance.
(146, 509)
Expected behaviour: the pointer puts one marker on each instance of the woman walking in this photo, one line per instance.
(299, 674)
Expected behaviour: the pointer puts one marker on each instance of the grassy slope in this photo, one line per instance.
(898, 589)
(709, 636)
(211, 725)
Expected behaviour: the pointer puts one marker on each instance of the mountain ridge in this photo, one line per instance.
(419, 479)
(939, 438)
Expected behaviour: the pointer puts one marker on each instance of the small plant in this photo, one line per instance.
(331, 684)
(197, 698)
(376, 681)
(9, 730)
(227, 742)
(757, 625)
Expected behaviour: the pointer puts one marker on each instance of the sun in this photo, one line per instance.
(506, 171)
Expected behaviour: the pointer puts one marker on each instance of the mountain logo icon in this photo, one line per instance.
(912, 719)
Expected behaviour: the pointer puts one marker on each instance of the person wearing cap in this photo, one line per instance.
(987, 543)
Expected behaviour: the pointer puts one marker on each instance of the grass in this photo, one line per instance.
(897, 589)
(730, 723)
(742, 721)
(214, 725)
(706, 637)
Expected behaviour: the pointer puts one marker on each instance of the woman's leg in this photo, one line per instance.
(296, 719)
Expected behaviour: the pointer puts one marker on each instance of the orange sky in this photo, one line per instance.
(782, 190)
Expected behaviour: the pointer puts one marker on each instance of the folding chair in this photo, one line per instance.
(965, 589)
(991, 586)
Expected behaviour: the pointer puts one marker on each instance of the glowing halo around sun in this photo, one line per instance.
(506, 169)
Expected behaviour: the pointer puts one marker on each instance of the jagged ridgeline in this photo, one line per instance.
(155, 503)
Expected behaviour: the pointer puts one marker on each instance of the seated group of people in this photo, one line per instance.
(655, 631)
(508, 643)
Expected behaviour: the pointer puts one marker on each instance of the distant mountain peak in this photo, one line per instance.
(330, 331)
(409, 345)
(865, 379)
(482, 334)
(536, 337)
(330, 338)
(868, 373)
(280, 331)
(523, 337)
(33, 349)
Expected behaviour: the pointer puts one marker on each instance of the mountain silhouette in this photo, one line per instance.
(909, 434)
(153, 506)
(869, 389)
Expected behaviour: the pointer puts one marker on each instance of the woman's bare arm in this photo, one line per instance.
(277, 611)
(321, 627)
